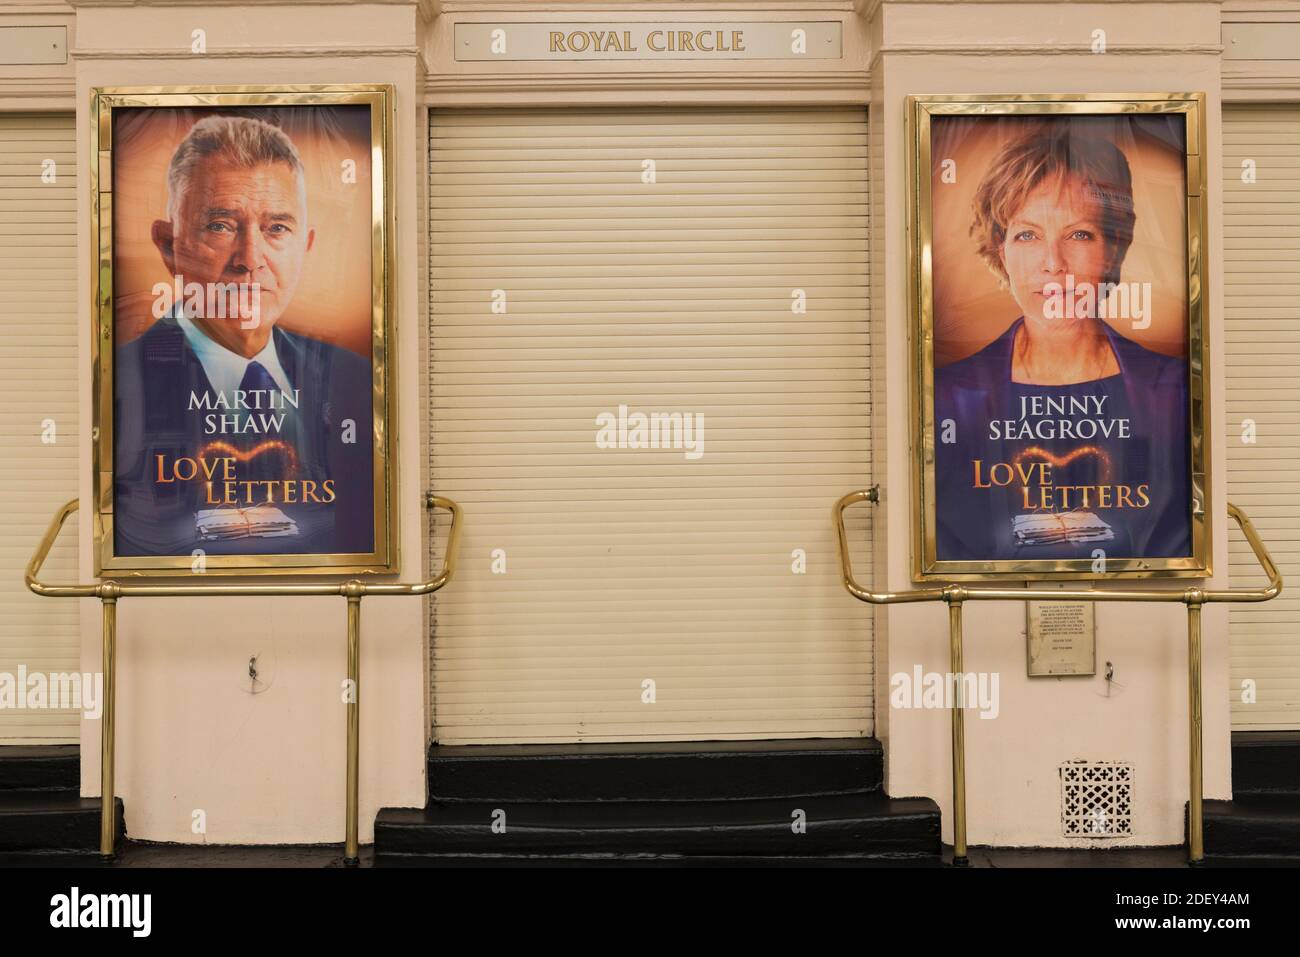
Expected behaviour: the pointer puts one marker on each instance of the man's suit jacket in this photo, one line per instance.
(975, 524)
(155, 376)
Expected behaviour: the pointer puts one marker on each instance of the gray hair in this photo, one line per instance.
(240, 140)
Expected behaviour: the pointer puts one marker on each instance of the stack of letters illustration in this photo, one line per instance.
(261, 521)
(1052, 528)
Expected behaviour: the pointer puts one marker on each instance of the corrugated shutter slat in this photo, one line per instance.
(39, 372)
(1262, 275)
(625, 565)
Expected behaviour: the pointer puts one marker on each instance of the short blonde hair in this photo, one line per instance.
(1045, 154)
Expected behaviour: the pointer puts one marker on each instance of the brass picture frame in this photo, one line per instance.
(383, 557)
(920, 110)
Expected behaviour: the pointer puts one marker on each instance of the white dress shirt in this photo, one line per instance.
(225, 369)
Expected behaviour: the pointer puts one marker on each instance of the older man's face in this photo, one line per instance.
(243, 225)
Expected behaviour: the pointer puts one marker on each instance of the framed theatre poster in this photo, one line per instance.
(1058, 289)
(243, 310)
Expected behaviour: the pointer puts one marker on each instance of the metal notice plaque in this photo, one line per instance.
(1062, 637)
(668, 40)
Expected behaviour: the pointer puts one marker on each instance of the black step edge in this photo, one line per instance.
(853, 824)
(1253, 825)
(655, 860)
(657, 771)
(40, 767)
(1265, 762)
(53, 822)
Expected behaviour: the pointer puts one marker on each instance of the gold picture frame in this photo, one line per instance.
(920, 110)
(383, 557)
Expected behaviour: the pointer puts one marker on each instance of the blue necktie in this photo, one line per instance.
(268, 465)
(257, 378)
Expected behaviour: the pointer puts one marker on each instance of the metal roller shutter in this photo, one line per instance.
(38, 386)
(1262, 273)
(631, 565)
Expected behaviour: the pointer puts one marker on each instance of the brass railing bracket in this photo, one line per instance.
(110, 592)
(1194, 598)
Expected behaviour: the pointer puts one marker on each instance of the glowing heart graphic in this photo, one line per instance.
(1060, 461)
(246, 455)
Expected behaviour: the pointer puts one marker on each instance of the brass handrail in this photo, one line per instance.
(1192, 596)
(108, 592)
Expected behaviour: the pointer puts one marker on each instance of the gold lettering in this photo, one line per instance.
(557, 42)
(650, 40)
(574, 39)
(701, 37)
(738, 41)
(686, 40)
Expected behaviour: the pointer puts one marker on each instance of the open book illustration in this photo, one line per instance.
(1051, 528)
(259, 521)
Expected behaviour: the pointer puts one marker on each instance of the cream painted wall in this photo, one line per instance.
(1012, 780)
(267, 768)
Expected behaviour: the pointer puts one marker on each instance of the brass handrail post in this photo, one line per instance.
(1196, 782)
(959, 855)
(353, 591)
(107, 727)
(1194, 598)
(110, 591)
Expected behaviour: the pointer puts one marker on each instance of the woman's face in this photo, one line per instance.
(1055, 238)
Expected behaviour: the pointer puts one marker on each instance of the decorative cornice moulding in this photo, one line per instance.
(44, 8)
(227, 53)
(145, 4)
(1261, 80)
(597, 7)
(37, 92)
(1041, 3)
(1040, 49)
(850, 85)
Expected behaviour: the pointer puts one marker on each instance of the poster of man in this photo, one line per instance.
(1061, 406)
(243, 337)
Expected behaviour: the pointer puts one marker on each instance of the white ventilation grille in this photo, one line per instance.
(1097, 799)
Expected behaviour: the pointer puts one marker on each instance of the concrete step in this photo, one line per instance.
(865, 827)
(52, 821)
(698, 771)
(1253, 829)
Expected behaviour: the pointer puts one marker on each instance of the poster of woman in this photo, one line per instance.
(248, 332)
(1062, 400)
